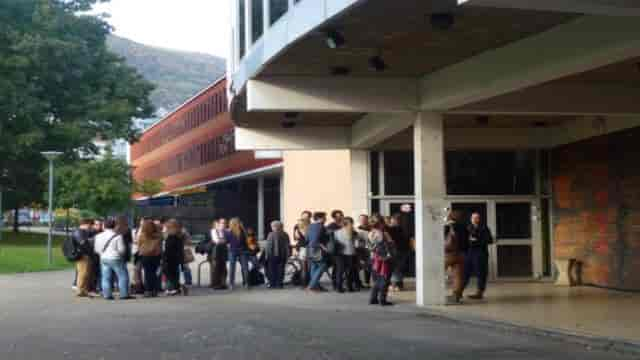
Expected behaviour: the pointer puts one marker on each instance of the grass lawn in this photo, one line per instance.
(27, 252)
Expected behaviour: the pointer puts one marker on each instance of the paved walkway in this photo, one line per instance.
(583, 310)
(39, 319)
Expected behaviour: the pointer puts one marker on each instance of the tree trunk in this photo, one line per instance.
(16, 220)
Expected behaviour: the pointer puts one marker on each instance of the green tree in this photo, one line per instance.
(60, 88)
(149, 187)
(102, 186)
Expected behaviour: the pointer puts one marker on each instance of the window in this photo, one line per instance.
(277, 9)
(490, 172)
(241, 26)
(513, 220)
(398, 173)
(257, 21)
(374, 161)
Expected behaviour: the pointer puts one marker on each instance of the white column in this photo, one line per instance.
(248, 24)
(266, 15)
(359, 182)
(430, 204)
(261, 208)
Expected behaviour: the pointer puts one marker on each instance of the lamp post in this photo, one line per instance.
(51, 156)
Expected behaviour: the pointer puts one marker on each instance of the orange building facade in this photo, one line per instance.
(192, 152)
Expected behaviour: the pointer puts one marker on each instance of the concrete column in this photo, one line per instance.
(248, 25)
(260, 230)
(359, 182)
(430, 208)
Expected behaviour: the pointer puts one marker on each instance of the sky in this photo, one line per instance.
(191, 25)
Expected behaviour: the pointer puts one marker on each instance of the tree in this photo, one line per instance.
(149, 187)
(60, 88)
(102, 186)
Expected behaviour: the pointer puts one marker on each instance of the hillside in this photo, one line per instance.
(178, 75)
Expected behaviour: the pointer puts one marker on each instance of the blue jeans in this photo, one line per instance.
(317, 269)
(186, 273)
(243, 258)
(120, 268)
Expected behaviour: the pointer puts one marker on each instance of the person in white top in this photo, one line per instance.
(219, 254)
(111, 248)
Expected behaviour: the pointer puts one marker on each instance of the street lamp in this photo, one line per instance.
(51, 156)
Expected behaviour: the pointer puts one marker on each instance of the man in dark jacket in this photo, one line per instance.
(83, 265)
(276, 253)
(317, 250)
(477, 258)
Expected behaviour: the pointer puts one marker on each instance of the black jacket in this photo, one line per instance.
(83, 243)
(400, 238)
(174, 249)
(480, 237)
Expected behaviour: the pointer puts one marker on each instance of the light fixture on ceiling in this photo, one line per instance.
(289, 120)
(340, 70)
(335, 39)
(442, 20)
(482, 120)
(377, 63)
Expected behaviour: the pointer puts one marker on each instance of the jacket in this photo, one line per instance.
(237, 243)
(110, 245)
(461, 234)
(346, 241)
(174, 249)
(479, 237)
(82, 240)
(277, 245)
(149, 245)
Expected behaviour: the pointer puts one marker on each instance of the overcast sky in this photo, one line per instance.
(192, 25)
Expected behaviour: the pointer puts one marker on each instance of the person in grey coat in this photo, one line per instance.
(276, 253)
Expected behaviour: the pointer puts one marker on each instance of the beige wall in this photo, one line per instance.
(317, 181)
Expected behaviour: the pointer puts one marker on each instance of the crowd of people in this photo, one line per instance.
(373, 253)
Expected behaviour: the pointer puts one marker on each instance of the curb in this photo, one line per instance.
(590, 342)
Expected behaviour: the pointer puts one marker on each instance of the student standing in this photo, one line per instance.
(219, 236)
(345, 258)
(477, 257)
(456, 245)
(277, 253)
(317, 250)
(382, 262)
(149, 242)
(238, 252)
(111, 248)
(81, 238)
(173, 256)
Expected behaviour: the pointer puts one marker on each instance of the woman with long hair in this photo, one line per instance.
(382, 252)
(173, 256)
(149, 241)
(299, 248)
(238, 252)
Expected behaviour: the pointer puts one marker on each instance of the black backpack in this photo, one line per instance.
(70, 249)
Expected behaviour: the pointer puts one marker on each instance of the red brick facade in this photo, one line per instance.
(597, 207)
(193, 145)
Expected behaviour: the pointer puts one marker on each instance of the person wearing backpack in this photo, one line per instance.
(79, 250)
(383, 252)
(111, 248)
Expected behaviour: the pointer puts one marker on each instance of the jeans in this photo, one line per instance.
(477, 264)
(150, 265)
(397, 278)
(317, 269)
(379, 290)
(243, 258)
(118, 266)
(276, 266)
(186, 273)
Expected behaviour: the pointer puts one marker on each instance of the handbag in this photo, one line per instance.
(188, 256)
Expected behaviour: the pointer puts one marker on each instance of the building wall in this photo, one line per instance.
(316, 181)
(193, 144)
(596, 184)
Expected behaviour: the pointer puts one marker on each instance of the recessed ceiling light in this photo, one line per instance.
(377, 63)
(335, 39)
(442, 21)
(340, 70)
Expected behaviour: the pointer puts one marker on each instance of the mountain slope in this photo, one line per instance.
(178, 75)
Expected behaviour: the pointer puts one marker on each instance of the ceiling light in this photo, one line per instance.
(442, 21)
(377, 63)
(335, 39)
(288, 124)
(482, 120)
(340, 70)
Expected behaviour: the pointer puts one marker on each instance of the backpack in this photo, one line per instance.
(256, 277)
(70, 249)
